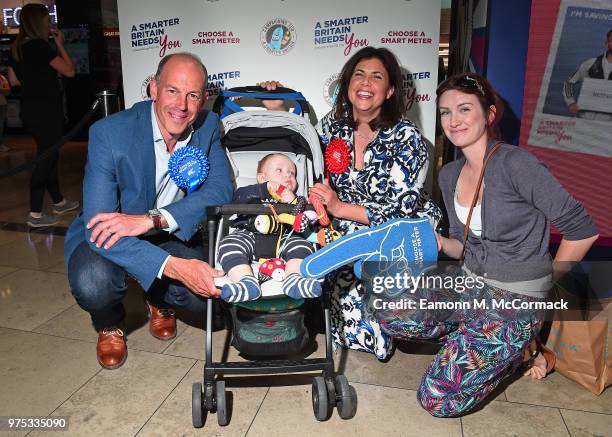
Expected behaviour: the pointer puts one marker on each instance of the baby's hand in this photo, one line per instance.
(273, 188)
(287, 196)
(280, 192)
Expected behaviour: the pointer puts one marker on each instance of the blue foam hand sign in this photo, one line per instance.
(188, 168)
(399, 240)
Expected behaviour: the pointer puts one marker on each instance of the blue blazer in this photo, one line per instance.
(120, 177)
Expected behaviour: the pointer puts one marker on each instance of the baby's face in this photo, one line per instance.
(281, 170)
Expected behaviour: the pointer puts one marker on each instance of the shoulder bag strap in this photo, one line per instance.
(475, 199)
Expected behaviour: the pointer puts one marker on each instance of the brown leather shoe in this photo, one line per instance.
(162, 322)
(111, 349)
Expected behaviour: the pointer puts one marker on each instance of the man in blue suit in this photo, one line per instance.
(136, 220)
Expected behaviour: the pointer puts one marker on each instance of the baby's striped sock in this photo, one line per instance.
(245, 289)
(298, 287)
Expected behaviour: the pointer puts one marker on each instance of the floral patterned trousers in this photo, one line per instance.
(475, 358)
(478, 352)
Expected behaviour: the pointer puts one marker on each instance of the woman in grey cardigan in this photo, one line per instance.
(506, 246)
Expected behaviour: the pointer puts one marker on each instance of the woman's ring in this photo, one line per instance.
(110, 231)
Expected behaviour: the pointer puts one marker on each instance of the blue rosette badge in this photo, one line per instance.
(188, 167)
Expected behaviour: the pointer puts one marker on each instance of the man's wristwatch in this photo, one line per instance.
(156, 216)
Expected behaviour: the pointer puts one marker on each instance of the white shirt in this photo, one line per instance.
(167, 192)
(581, 74)
(462, 213)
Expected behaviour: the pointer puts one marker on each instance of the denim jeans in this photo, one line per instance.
(99, 285)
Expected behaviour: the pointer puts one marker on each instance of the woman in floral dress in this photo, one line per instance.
(386, 167)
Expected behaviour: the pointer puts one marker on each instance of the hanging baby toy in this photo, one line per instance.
(337, 161)
(300, 219)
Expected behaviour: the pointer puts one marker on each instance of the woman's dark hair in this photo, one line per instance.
(30, 26)
(472, 83)
(393, 108)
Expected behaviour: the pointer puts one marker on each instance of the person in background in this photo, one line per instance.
(599, 67)
(35, 66)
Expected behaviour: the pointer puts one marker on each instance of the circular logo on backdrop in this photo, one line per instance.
(278, 36)
(330, 89)
(145, 91)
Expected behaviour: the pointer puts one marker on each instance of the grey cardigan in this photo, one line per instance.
(520, 200)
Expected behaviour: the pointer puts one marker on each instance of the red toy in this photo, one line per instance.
(274, 268)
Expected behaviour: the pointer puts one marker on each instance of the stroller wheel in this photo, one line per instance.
(346, 398)
(197, 416)
(320, 401)
(222, 418)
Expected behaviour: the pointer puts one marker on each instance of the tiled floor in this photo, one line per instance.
(48, 365)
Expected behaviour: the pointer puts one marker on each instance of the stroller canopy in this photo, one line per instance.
(256, 130)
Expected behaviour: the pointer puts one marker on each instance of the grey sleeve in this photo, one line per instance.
(534, 182)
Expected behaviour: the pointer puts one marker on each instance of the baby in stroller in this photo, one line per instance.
(276, 177)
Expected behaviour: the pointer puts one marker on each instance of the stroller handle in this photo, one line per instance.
(257, 89)
(224, 105)
(249, 209)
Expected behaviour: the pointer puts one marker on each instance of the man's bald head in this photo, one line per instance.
(183, 56)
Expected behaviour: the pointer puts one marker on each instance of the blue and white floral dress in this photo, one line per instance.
(389, 185)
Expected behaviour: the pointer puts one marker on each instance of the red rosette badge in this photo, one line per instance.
(337, 156)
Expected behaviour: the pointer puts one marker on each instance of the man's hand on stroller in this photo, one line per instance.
(196, 275)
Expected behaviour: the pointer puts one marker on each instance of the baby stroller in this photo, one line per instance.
(248, 136)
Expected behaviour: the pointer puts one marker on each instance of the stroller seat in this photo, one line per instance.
(243, 164)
